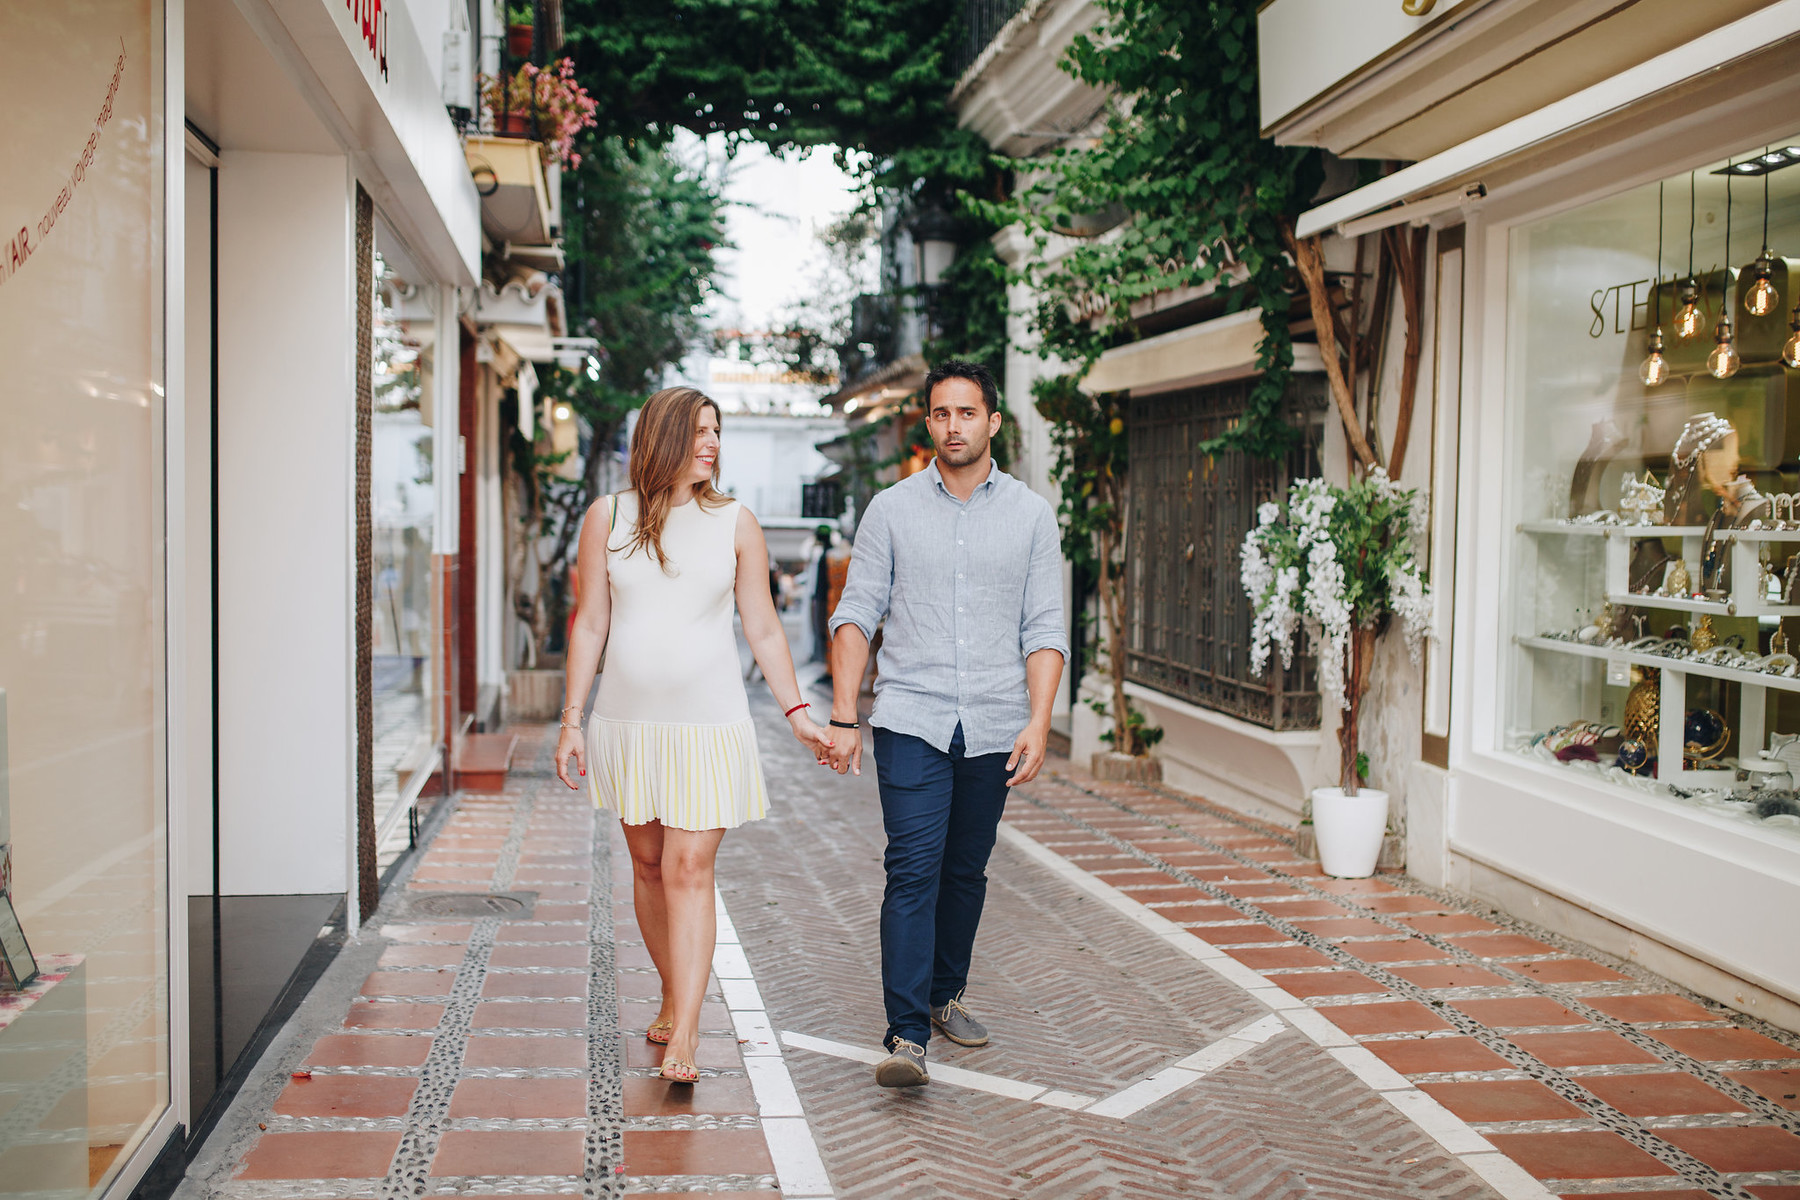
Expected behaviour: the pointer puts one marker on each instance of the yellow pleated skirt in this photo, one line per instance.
(686, 776)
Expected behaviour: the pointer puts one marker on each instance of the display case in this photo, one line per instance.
(1654, 470)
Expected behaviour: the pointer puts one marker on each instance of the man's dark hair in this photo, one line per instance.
(975, 373)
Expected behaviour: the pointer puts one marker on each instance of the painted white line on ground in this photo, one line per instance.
(1437, 1122)
(792, 1148)
(1118, 1106)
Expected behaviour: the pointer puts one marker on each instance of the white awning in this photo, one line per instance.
(530, 342)
(1442, 179)
(1210, 352)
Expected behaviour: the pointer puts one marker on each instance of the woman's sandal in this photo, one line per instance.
(659, 1032)
(678, 1070)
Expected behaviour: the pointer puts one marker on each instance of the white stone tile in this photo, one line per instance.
(1507, 1177)
(729, 962)
(775, 1095)
(1058, 1099)
(796, 1156)
(1371, 1070)
(755, 1035)
(1141, 1095)
(1451, 1132)
(1314, 1025)
(741, 994)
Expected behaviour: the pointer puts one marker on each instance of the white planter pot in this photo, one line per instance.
(1349, 830)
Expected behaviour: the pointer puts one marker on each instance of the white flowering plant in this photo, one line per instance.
(1339, 563)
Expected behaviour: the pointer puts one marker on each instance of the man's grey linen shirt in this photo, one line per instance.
(969, 589)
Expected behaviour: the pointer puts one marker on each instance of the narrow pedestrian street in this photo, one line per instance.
(1179, 1006)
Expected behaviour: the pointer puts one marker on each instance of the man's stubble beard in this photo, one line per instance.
(970, 453)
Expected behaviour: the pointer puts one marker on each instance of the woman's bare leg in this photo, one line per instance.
(687, 884)
(646, 845)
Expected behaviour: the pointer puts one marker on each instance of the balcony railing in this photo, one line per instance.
(982, 19)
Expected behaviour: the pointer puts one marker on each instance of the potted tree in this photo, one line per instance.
(1338, 563)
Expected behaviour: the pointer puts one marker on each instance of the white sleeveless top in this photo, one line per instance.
(671, 738)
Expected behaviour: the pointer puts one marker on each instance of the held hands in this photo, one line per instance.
(846, 754)
(569, 741)
(808, 733)
(1028, 752)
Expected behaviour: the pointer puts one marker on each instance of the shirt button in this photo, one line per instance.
(959, 574)
(959, 641)
(959, 608)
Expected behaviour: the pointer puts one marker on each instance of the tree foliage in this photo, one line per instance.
(868, 76)
(1188, 194)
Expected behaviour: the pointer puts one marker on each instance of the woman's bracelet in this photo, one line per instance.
(846, 724)
(790, 712)
(576, 726)
(567, 707)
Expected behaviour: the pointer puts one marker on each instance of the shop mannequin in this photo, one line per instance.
(1742, 503)
(1584, 485)
(1704, 456)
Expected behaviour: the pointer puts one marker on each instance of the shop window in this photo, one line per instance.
(402, 508)
(84, 865)
(1187, 615)
(1656, 547)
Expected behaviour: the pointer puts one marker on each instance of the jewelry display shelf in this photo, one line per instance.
(1656, 531)
(1672, 713)
(1746, 598)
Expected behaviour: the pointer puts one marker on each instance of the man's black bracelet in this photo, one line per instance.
(846, 724)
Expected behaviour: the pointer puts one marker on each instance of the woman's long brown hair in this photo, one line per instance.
(662, 451)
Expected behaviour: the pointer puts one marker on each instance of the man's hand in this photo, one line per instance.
(1028, 754)
(846, 750)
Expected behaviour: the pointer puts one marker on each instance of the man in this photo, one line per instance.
(964, 563)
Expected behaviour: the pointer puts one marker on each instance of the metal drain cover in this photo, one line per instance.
(472, 904)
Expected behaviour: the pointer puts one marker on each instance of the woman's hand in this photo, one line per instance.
(809, 734)
(569, 741)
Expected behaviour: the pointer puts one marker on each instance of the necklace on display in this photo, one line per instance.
(1705, 430)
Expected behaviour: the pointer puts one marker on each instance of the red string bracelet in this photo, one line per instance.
(790, 712)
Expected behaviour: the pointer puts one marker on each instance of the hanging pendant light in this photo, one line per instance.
(1689, 320)
(1762, 298)
(1655, 368)
(1790, 350)
(1723, 362)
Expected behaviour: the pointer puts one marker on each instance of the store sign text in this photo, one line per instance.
(370, 19)
(1625, 307)
(1623, 304)
(28, 240)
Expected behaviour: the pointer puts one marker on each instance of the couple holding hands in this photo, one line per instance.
(961, 560)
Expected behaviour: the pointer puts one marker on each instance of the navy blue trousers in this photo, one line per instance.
(941, 812)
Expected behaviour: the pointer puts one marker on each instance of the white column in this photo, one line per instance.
(287, 436)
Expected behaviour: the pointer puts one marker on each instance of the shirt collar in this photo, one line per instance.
(995, 475)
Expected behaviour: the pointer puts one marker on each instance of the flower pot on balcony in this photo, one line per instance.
(518, 41)
(513, 124)
(1349, 830)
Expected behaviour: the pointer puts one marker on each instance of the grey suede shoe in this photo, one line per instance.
(958, 1023)
(905, 1067)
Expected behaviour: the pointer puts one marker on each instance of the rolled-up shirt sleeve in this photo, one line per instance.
(1043, 627)
(871, 580)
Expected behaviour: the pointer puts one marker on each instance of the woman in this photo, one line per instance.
(670, 746)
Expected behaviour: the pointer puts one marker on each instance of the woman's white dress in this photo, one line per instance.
(670, 738)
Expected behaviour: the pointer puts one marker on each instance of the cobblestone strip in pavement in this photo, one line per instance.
(503, 1053)
(1595, 1076)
